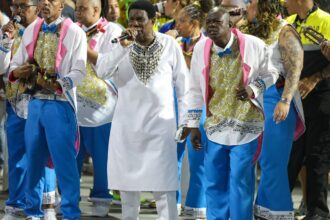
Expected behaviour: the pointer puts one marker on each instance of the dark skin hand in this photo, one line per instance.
(195, 138)
(47, 84)
(10, 29)
(23, 71)
(244, 94)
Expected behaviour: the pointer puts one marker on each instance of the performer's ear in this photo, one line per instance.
(153, 20)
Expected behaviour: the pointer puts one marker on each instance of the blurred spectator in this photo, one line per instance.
(3, 19)
(68, 10)
(113, 11)
(324, 5)
(4, 7)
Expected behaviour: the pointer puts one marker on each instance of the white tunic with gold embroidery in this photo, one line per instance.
(143, 152)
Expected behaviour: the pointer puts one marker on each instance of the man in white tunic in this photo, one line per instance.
(143, 154)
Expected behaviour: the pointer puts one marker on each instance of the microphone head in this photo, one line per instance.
(114, 41)
(17, 19)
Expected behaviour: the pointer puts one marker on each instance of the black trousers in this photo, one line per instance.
(313, 151)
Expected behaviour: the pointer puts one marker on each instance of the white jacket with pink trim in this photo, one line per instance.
(70, 58)
(258, 73)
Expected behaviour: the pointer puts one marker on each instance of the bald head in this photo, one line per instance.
(88, 12)
(96, 3)
(219, 12)
(217, 26)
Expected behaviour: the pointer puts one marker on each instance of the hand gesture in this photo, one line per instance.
(132, 33)
(244, 94)
(24, 71)
(9, 29)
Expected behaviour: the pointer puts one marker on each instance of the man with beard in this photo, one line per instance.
(51, 60)
(143, 151)
(234, 113)
(16, 119)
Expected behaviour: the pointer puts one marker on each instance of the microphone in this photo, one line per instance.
(16, 19)
(120, 38)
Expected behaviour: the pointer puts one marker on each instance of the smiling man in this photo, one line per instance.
(52, 56)
(143, 151)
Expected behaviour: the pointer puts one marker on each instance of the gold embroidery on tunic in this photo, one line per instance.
(92, 87)
(45, 51)
(45, 55)
(225, 76)
(12, 89)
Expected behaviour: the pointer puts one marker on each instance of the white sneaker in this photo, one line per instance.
(100, 208)
(11, 217)
(12, 213)
(196, 213)
(32, 218)
(50, 214)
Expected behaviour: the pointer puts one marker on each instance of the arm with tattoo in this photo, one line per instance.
(293, 56)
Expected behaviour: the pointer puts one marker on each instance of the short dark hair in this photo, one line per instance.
(144, 5)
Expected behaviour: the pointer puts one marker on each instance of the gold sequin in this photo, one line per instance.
(92, 87)
(45, 51)
(13, 89)
(225, 76)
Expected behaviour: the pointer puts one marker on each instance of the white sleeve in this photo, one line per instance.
(268, 74)
(195, 97)
(4, 62)
(107, 63)
(181, 82)
(19, 58)
(78, 63)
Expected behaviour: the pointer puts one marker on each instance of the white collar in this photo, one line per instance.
(86, 29)
(56, 22)
(229, 44)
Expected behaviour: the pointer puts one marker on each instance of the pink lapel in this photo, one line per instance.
(206, 70)
(103, 22)
(62, 50)
(241, 43)
(30, 47)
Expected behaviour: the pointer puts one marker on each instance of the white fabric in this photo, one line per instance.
(5, 57)
(256, 57)
(91, 114)
(165, 205)
(20, 103)
(229, 44)
(143, 152)
(73, 65)
(4, 19)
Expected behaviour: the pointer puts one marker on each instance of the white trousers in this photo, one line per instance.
(165, 203)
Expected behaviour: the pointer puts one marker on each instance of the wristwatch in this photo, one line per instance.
(285, 100)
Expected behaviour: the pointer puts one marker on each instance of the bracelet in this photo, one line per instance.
(285, 101)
